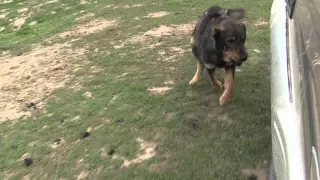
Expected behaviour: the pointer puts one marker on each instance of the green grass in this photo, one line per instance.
(186, 123)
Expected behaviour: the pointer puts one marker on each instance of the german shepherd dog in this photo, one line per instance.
(218, 41)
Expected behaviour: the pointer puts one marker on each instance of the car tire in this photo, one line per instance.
(272, 172)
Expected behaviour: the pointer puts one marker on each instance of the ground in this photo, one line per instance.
(121, 71)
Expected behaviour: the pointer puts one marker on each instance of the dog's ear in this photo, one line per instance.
(218, 25)
(235, 13)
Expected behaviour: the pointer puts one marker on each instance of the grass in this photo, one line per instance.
(195, 138)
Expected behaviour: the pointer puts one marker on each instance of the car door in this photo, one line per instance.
(303, 52)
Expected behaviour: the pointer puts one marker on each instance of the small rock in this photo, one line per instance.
(28, 161)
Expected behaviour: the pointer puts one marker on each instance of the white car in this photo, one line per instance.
(295, 89)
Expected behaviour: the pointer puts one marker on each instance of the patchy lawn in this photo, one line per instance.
(99, 90)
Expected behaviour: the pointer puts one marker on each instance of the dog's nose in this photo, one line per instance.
(243, 56)
(237, 63)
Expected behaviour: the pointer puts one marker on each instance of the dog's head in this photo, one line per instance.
(230, 35)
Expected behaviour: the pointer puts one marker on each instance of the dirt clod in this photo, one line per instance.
(28, 161)
(194, 124)
(252, 177)
(119, 120)
(31, 76)
(31, 105)
(57, 141)
(84, 134)
(111, 152)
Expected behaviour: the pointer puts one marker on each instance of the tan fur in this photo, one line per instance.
(228, 85)
(229, 55)
(193, 42)
(197, 75)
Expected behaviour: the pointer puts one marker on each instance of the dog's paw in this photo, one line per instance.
(224, 99)
(194, 81)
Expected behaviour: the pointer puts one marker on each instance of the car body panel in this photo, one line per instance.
(295, 88)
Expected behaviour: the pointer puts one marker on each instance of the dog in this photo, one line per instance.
(218, 41)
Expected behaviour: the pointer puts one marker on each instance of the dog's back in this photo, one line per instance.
(202, 40)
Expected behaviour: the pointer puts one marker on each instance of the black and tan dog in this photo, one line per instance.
(218, 41)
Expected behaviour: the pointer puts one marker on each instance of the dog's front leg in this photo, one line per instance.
(228, 85)
(197, 75)
(217, 85)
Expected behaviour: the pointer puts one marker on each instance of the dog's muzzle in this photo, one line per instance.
(243, 56)
(237, 63)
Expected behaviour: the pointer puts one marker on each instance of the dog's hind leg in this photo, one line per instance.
(217, 85)
(228, 85)
(197, 76)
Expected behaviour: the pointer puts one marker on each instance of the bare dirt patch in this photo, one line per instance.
(157, 14)
(33, 23)
(88, 28)
(170, 82)
(3, 16)
(27, 81)
(148, 151)
(113, 6)
(6, 1)
(84, 2)
(19, 22)
(172, 55)
(163, 30)
(83, 175)
(219, 115)
(159, 90)
(261, 22)
(23, 10)
(88, 94)
(169, 115)
(48, 2)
